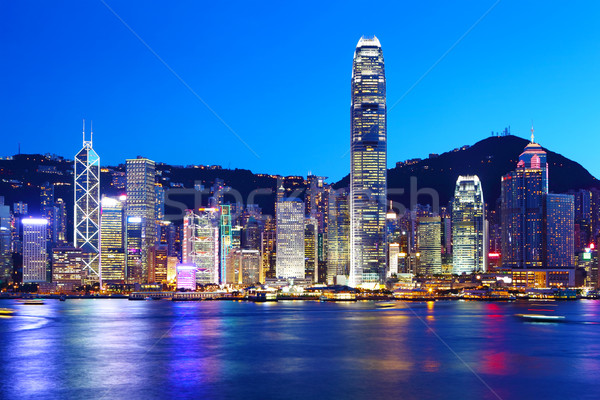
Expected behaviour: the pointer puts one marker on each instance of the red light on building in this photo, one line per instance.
(494, 255)
(592, 246)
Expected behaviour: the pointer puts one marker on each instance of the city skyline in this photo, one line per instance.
(492, 78)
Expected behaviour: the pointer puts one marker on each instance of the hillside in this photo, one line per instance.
(489, 159)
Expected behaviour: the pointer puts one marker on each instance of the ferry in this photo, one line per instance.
(386, 304)
(261, 297)
(541, 317)
(5, 312)
(341, 296)
(31, 302)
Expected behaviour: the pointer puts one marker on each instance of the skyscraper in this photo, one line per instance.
(522, 196)
(368, 153)
(290, 239)
(141, 203)
(35, 257)
(112, 241)
(5, 243)
(311, 248)
(87, 209)
(338, 236)
(468, 227)
(430, 245)
(537, 227)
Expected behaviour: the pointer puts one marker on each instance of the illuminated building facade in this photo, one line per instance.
(290, 239)
(112, 241)
(559, 219)
(430, 245)
(469, 247)
(141, 203)
(268, 248)
(87, 209)
(200, 245)
(6, 263)
(338, 235)
(368, 173)
(226, 240)
(186, 277)
(133, 245)
(522, 196)
(158, 264)
(35, 256)
(311, 255)
(537, 227)
(67, 267)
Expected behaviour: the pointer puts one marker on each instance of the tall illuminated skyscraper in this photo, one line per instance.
(468, 227)
(141, 203)
(368, 175)
(87, 209)
(112, 241)
(35, 256)
(290, 239)
(5, 243)
(338, 236)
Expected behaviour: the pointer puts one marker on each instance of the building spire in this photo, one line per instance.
(532, 137)
(91, 131)
(83, 132)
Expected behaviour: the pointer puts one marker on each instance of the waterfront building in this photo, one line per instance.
(200, 245)
(158, 264)
(368, 169)
(35, 256)
(186, 277)
(244, 267)
(338, 236)
(141, 203)
(469, 245)
(67, 268)
(290, 239)
(87, 208)
(393, 256)
(430, 246)
(112, 241)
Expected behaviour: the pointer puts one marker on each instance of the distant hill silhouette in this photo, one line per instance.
(489, 159)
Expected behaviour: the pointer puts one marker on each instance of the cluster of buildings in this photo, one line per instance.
(319, 235)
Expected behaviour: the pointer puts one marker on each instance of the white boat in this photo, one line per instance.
(541, 317)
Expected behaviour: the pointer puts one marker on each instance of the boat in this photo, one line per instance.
(262, 297)
(385, 304)
(6, 311)
(32, 302)
(541, 317)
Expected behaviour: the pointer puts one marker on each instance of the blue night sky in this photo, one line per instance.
(278, 74)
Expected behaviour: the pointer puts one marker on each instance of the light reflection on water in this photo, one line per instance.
(119, 349)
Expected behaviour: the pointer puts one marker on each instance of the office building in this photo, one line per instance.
(6, 263)
(112, 241)
(368, 169)
(35, 256)
(186, 277)
(87, 209)
(67, 268)
(141, 203)
(430, 245)
(469, 247)
(200, 245)
(311, 248)
(338, 236)
(290, 239)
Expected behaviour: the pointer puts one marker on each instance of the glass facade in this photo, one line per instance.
(87, 209)
(430, 245)
(112, 250)
(141, 202)
(368, 174)
(290, 239)
(468, 227)
(338, 235)
(35, 257)
(559, 236)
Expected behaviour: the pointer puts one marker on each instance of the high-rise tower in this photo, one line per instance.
(141, 204)
(468, 226)
(87, 208)
(368, 149)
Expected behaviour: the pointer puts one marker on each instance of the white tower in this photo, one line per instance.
(87, 209)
